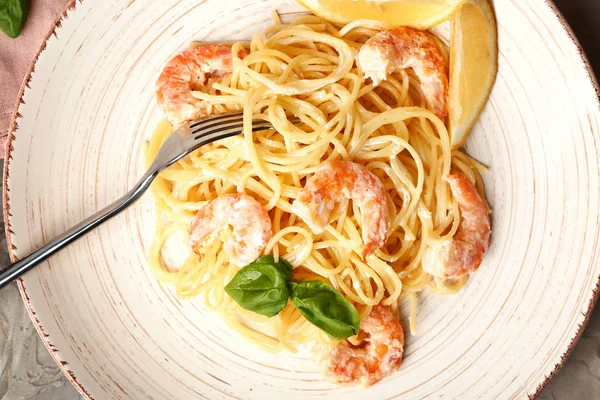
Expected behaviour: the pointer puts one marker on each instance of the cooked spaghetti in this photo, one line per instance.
(307, 69)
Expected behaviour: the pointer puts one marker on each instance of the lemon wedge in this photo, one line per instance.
(473, 66)
(420, 14)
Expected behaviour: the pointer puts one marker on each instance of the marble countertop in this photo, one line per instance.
(27, 371)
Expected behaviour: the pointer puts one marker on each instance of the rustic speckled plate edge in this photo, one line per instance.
(62, 364)
(72, 4)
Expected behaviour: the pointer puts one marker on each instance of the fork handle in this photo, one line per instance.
(18, 268)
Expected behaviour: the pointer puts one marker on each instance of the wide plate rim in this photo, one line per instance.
(71, 5)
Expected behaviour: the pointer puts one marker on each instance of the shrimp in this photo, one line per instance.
(251, 226)
(461, 255)
(335, 180)
(403, 47)
(188, 71)
(379, 354)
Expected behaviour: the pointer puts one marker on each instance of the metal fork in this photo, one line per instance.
(182, 142)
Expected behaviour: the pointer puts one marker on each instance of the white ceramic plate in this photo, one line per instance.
(75, 146)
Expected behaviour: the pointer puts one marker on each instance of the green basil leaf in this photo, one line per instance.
(262, 286)
(12, 16)
(326, 308)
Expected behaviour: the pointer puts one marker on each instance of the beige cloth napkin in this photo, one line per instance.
(17, 55)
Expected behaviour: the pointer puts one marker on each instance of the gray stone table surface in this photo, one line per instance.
(28, 372)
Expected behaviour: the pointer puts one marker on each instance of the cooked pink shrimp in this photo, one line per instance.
(403, 47)
(188, 71)
(461, 255)
(337, 179)
(251, 226)
(379, 354)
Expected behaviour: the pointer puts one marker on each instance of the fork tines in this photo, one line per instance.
(224, 125)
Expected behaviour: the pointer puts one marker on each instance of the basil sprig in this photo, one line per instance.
(326, 308)
(264, 287)
(12, 16)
